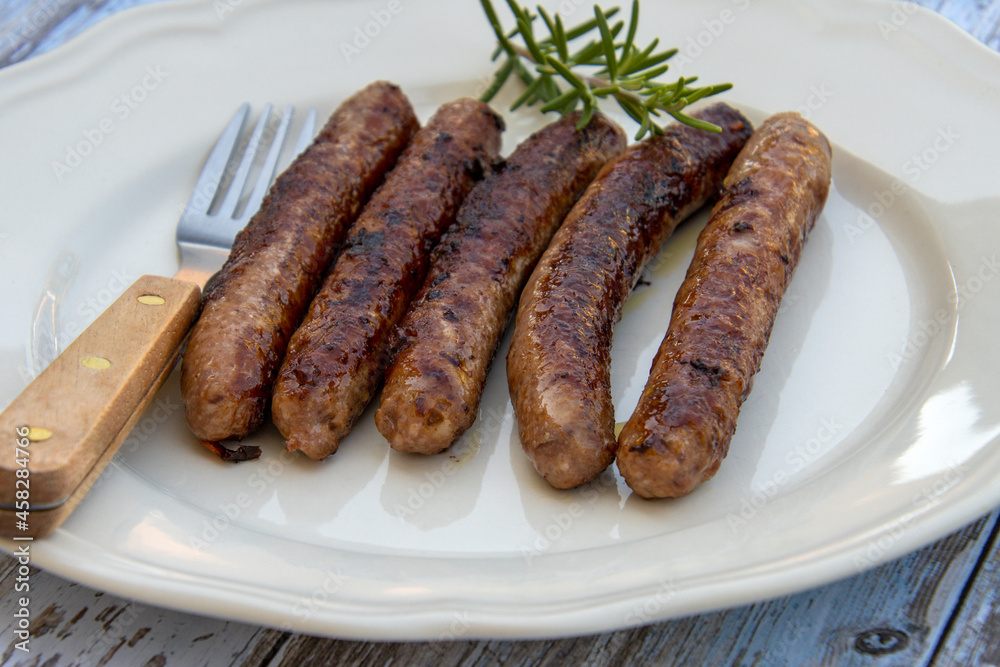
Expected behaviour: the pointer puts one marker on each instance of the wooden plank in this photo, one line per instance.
(76, 625)
(973, 636)
(943, 599)
(27, 25)
(903, 605)
(980, 18)
(36, 26)
(893, 614)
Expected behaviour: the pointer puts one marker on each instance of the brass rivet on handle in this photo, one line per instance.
(151, 300)
(38, 433)
(95, 363)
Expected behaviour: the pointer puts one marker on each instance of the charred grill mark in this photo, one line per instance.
(475, 170)
(560, 350)
(725, 310)
(279, 260)
(642, 447)
(479, 269)
(711, 372)
(737, 194)
(452, 359)
(377, 279)
(366, 240)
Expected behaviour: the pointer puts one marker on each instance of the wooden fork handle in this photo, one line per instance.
(73, 413)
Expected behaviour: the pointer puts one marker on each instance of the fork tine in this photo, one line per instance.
(215, 166)
(270, 164)
(228, 206)
(308, 131)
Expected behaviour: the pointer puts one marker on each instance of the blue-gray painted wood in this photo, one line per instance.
(937, 606)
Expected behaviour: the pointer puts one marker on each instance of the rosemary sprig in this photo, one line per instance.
(561, 77)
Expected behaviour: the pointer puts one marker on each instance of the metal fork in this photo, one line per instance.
(65, 427)
(205, 238)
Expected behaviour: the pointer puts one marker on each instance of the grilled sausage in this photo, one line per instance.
(558, 366)
(336, 357)
(278, 262)
(451, 332)
(725, 308)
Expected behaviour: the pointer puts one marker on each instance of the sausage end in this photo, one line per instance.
(417, 428)
(668, 466)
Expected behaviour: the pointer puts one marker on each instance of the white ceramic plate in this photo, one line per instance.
(872, 428)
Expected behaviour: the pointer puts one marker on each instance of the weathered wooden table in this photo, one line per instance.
(936, 606)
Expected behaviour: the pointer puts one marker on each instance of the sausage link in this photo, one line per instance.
(451, 332)
(558, 366)
(337, 356)
(723, 313)
(278, 262)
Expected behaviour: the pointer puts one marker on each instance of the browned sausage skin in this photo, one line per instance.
(725, 308)
(451, 332)
(558, 367)
(278, 262)
(336, 357)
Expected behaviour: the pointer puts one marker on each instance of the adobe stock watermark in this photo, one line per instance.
(489, 422)
(224, 8)
(561, 523)
(45, 348)
(650, 609)
(816, 99)
(111, 635)
(420, 494)
(927, 329)
(913, 169)
(460, 625)
(27, 29)
(567, 8)
(21, 572)
(307, 605)
(120, 109)
(791, 634)
(363, 34)
(795, 461)
(266, 472)
(334, 581)
(205, 192)
(666, 255)
(897, 18)
(162, 410)
(712, 29)
(165, 407)
(878, 548)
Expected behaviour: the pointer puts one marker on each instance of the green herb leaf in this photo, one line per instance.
(560, 76)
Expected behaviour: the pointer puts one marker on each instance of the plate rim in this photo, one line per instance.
(52, 560)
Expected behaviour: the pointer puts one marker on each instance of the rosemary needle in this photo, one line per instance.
(560, 76)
